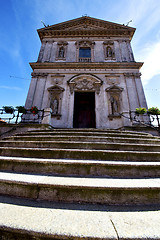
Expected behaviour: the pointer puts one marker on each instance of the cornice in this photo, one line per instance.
(81, 65)
(86, 26)
(85, 33)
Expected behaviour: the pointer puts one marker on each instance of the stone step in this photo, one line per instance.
(81, 154)
(81, 145)
(76, 133)
(137, 140)
(88, 190)
(80, 168)
(93, 130)
(30, 220)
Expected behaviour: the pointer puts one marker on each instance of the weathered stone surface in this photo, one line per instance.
(111, 63)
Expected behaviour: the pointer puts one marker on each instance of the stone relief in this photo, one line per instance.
(112, 79)
(85, 83)
(57, 79)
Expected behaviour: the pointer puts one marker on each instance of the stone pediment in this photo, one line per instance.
(114, 88)
(83, 25)
(55, 89)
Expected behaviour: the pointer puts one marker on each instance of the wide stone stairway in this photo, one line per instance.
(80, 184)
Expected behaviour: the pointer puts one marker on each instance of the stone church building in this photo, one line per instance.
(86, 75)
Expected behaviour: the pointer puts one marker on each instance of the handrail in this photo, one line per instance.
(18, 117)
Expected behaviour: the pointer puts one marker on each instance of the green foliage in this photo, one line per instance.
(21, 109)
(141, 110)
(8, 109)
(154, 111)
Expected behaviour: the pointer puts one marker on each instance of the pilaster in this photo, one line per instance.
(39, 91)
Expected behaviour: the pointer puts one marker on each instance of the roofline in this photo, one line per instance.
(87, 17)
(53, 32)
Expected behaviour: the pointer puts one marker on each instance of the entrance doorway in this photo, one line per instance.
(84, 110)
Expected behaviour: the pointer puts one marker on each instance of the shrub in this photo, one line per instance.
(154, 111)
(34, 110)
(141, 110)
(21, 109)
(8, 109)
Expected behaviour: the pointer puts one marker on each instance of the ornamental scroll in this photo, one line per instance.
(85, 83)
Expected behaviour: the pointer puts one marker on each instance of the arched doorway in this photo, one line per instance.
(84, 87)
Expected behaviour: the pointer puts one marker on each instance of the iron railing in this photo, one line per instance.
(146, 119)
(18, 117)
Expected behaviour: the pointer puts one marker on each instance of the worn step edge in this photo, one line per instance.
(80, 167)
(87, 190)
(31, 220)
(81, 145)
(84, 139)
(90, 130)
(85, 134)
(80, 154)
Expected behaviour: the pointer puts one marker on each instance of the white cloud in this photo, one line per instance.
(151, 65)
(11, 88)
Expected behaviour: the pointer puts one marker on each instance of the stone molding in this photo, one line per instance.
(85, 83)
(91, 65)
(132, 75)
(36, 75)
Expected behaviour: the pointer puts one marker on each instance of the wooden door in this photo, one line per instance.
(84, 110)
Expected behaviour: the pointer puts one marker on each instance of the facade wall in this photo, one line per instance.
(120, 89)
(49, 48)
(129, 83)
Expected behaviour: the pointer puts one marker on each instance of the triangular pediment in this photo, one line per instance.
(86, 24)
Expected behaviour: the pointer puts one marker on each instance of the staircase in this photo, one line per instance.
(80, 184)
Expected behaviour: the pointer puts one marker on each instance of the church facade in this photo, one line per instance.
(86, 75)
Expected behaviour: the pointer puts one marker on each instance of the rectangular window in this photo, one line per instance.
(84, 53)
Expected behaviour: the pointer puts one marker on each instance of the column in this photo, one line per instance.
(39, 92)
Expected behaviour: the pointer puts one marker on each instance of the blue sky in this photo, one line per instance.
(20, 44)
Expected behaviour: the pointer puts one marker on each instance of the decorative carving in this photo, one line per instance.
(114, 100)
(112, 79)
(55, 100)
(57, 79)
(85, 83)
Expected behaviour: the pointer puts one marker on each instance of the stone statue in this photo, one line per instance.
(114, 105)
(54, 106)
(61, 52)
(109, 52)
